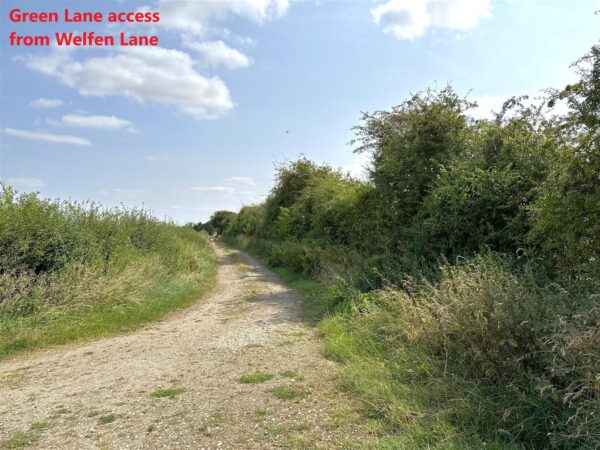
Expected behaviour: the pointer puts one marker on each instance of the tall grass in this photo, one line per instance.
(73, 271)
(483, 356)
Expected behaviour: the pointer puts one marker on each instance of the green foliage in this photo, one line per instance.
(259, 377)
(459, 283)
(167, 393)
(326, 208)
(248, 221)
(71, 271)
(566, 216)
(24, 439)
(484, 349)
(35, 234)
(290, 180)
(409, 145)
(104, 420)
(289, 393)
(220, 221)
(299, 257)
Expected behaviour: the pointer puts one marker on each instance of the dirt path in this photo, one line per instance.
(99, 395)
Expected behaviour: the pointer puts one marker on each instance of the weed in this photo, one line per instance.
(167, 393)
(213, 421)
(110, 418)
(22, 439)
(255, 378)
(39, 426)
(260, 414)
(289, 392)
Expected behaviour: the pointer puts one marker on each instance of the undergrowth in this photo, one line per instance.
(71, 271)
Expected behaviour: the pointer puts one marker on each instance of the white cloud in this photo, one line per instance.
(217, 53)
(25, 182)
(197, 17)
(166, 76)
(159, 158)
(109, 123)
(158, 75)
(47, 137)
(409, 19)
(45, 103)
(248, 181)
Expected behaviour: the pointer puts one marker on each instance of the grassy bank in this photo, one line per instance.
(70, 272)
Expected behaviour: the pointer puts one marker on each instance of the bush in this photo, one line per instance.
(248, 221)
(65, 265)
(297, 256)
(35, 234)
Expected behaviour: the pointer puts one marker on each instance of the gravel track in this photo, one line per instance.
(98, 395)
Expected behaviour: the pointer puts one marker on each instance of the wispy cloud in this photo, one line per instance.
(248, 181)
(218, 53)
(199, 17)
(25, 182)
(46, 103)
(43, 136)
(108, 123)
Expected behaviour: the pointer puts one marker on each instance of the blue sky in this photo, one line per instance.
(236, 86)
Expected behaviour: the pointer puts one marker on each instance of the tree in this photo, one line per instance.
(220, 221)
(566, 217)
(409, 145)
(290, 181)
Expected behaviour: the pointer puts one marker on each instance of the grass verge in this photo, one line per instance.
(60, 325)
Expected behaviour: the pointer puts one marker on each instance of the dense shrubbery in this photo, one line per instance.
(467, 266)
(62, 261)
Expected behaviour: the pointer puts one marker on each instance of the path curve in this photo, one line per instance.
(97, 395)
